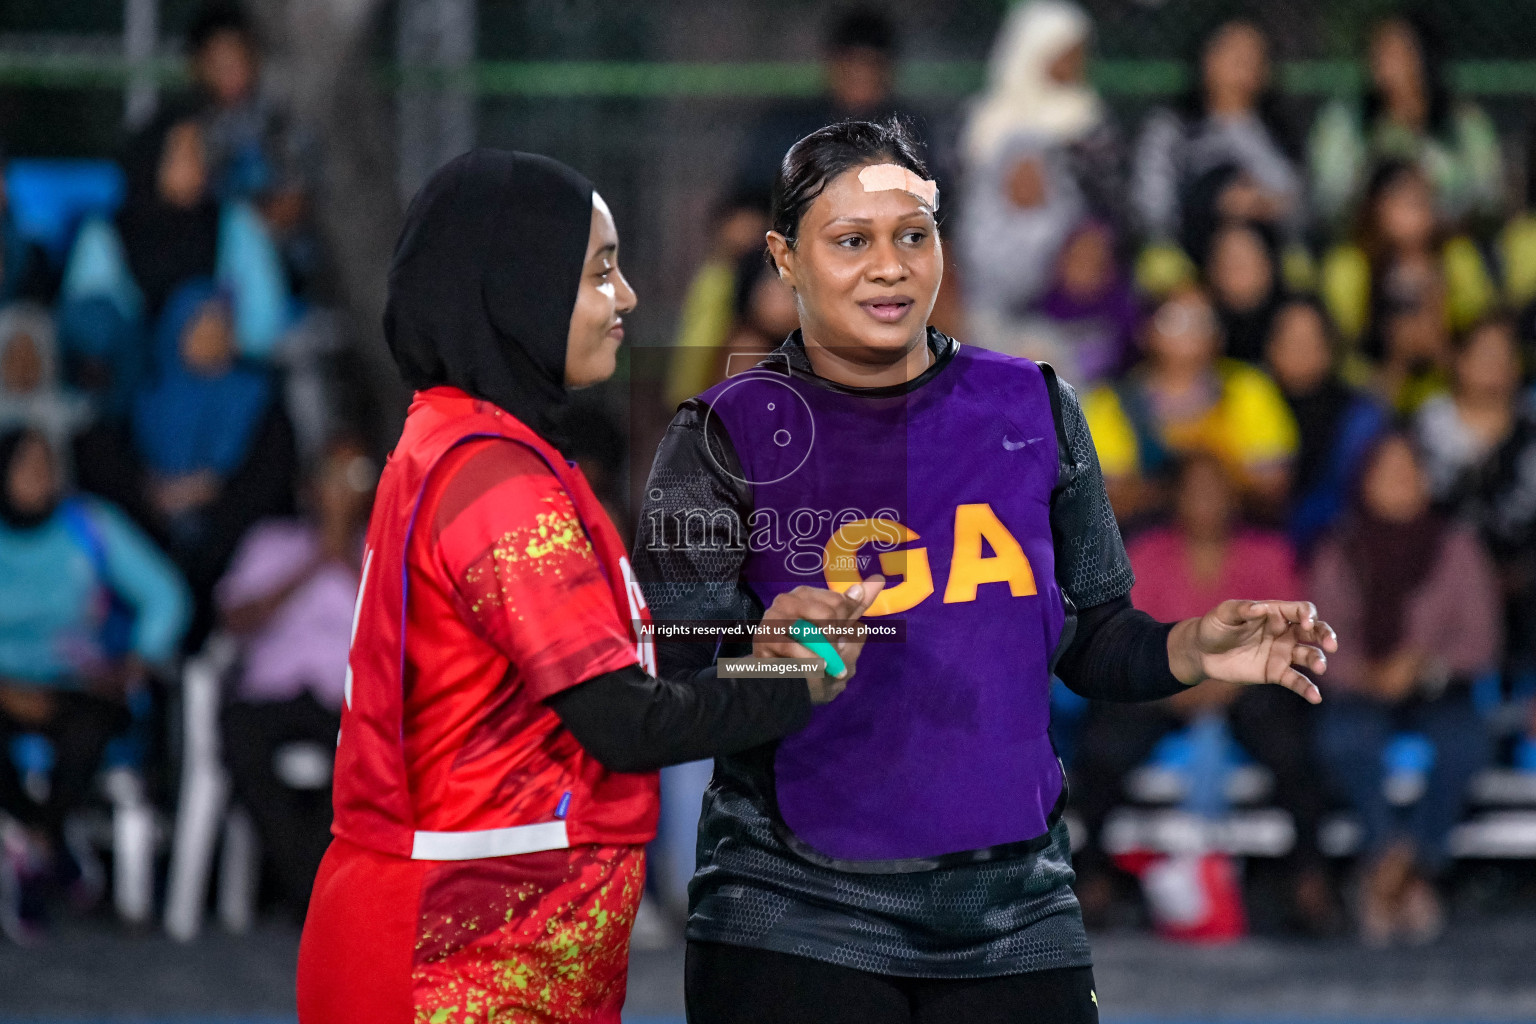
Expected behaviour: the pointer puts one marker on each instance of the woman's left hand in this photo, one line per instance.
(1254, 642)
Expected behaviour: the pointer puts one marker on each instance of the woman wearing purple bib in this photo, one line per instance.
(902, 858)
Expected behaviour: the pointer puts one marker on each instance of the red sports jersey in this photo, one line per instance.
(514, 586)
(486, 866)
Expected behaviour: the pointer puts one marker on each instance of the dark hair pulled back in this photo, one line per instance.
(812, 163)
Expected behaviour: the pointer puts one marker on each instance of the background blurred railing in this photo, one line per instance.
(53, 61)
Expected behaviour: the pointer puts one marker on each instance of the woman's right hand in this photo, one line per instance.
(821, 608)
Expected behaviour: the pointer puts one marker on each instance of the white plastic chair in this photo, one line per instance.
(205, 814)
(135, 839)
(204, 798)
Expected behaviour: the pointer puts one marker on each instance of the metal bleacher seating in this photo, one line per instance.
(1500, 824)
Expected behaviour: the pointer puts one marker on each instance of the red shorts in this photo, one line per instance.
(539, 938)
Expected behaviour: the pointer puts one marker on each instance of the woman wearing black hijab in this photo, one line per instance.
(495, 776)
(169, 222)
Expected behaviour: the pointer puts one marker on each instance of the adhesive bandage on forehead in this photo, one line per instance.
(880, 177)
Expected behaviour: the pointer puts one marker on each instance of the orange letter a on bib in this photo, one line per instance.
(968, 568)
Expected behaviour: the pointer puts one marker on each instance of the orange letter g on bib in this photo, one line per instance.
(842, 564)
(969, 566)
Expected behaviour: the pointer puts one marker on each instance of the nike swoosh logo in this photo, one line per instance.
(1014, 446)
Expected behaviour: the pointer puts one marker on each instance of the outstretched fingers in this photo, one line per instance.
(1273, 615)
(1281, 668)
(1302, 614)
(1310, 657)
(1236, 614)
(1282, 616)
(1298, 683)
(1321, 635)
(1308, 628)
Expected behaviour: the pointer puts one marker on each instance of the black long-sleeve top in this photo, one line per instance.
(1000, 912)
(632, 722)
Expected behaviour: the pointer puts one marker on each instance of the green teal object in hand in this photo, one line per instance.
(808, 635)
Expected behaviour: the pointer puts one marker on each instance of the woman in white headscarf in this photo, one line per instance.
(1041, 155)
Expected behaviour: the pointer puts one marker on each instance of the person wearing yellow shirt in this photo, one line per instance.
(1184, 397)
(709, 312)
(1400, 237)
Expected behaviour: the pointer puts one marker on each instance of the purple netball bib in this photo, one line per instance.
(939, 744)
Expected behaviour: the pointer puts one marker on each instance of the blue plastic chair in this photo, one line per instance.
(1408, 753)
(32, 755)
(1205, 754)
(49, 198)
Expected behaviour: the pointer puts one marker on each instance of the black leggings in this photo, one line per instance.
(79, 728)
(737, 985)
(295, 827)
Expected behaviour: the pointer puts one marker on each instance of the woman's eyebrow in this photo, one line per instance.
(867, 221)
(606, 251)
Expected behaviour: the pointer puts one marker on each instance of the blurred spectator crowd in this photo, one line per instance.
(1303, 353)
(172, 464)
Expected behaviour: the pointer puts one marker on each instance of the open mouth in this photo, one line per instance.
(888, 310)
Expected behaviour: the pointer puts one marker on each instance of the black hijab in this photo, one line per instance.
(164, 244)
(1319, 411)
(1318, 414)
(484, 280)
(1247, 330)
